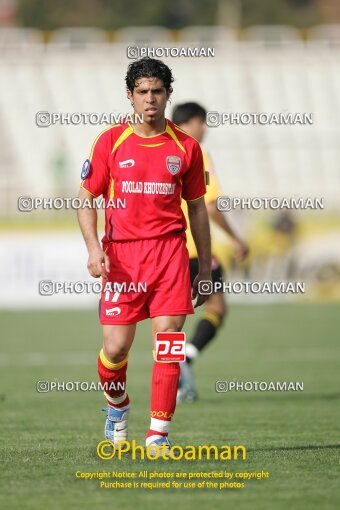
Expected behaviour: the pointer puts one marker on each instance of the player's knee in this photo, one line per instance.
(115, 353)
(218, 313)
(221, 310)
(117, 356)
(168, 324)
(173, 327)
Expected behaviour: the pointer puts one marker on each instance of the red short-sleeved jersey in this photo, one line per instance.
(149, 175)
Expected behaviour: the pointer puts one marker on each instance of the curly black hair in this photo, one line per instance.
(148, 67)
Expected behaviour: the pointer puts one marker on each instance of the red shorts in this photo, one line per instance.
(148, 278)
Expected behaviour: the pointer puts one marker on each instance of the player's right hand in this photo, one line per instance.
(98, 263)
(197, 298)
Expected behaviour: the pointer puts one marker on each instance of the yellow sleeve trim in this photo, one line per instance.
(194, 199)
(82, 186)
(109, 365)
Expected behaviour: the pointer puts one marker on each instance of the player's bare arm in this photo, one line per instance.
(199, 226)
(98, 262)
(241, 249)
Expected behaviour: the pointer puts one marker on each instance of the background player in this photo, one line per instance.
(150, 165)
(191, 117)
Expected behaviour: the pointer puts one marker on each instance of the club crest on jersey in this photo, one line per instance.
(86, 169)
(173, 164)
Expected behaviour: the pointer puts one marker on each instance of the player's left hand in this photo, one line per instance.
(241, 250)
(197, 298)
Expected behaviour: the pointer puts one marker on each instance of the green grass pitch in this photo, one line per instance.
(45, 438)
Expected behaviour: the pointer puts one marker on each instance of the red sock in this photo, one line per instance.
(113, 377)
(164, 385)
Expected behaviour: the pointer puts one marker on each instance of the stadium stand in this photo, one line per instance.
(243, 77)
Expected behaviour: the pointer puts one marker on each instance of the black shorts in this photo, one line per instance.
(216, 271)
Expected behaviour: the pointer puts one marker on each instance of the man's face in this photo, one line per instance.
(149, 98)
(195, 127)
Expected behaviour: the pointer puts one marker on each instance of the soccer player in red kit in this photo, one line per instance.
(150, 166)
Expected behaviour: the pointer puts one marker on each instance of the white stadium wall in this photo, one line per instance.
(243, 77)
